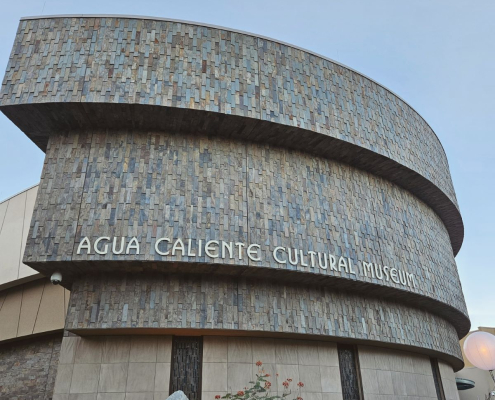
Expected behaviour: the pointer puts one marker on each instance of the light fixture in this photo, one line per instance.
(479, 348)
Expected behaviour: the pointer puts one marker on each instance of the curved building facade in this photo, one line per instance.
(213, 198)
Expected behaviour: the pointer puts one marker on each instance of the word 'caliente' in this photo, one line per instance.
(213, 249)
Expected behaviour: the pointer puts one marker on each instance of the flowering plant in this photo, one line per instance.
(260, 388)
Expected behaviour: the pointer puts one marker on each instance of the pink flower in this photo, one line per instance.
(286, 384)
(217, 396)
(240, 393)
(259, 363)
(300, 384)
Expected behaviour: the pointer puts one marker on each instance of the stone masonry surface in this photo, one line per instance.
(165, 185)
(28, 368)
(137, 61)
(230, 175)
(170, 301)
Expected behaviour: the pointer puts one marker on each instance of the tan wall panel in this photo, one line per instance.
(15, 219)
(9, 314)
(3, 210)
(11, 238)
(230, 363)
(34, 307)
(114, 367)
(394, 374)
(52, 309)
(24, 270)
(31, 299)
(448, 381)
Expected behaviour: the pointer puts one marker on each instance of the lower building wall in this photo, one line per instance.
(392, 374)
(448, 381)
(28, 368)
(230, 363)
(114, 367)
(138, 367)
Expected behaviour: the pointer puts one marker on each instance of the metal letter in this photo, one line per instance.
(387, 275)
(351, 270)
(293, 262)
(162, 253)
(312, 254)
(368, 267)
(229, 247)
(133, 244)
(323, 266)
(114, 245)
(333, 262)
(239, 247)
(303, 264)
(209, 249)
(97, 241)
(378, 275)
(178, 245)
(275, 250)
(393, 275)
(250, 252)
(84, 244)
(189, 250)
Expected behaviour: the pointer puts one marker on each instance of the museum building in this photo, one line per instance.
(211, 200)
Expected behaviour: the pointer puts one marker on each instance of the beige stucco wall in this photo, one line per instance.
(15, 218)
(482, 380)
(29, 304)
(32, 308)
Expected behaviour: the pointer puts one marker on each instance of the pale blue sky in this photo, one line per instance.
(437, 55)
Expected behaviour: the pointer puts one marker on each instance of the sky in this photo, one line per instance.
(438, 55)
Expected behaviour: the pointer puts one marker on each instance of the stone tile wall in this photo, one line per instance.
(28, 368)
(229, 364)
(154, 185)
(140, 61)
(114, 368)
(171, 301)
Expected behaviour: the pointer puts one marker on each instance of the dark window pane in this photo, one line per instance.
(349, 373)
(185, 374)
(437, 379)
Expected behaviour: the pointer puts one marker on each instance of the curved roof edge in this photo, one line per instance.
(18, 193)
(123, 16)
(113, 116)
